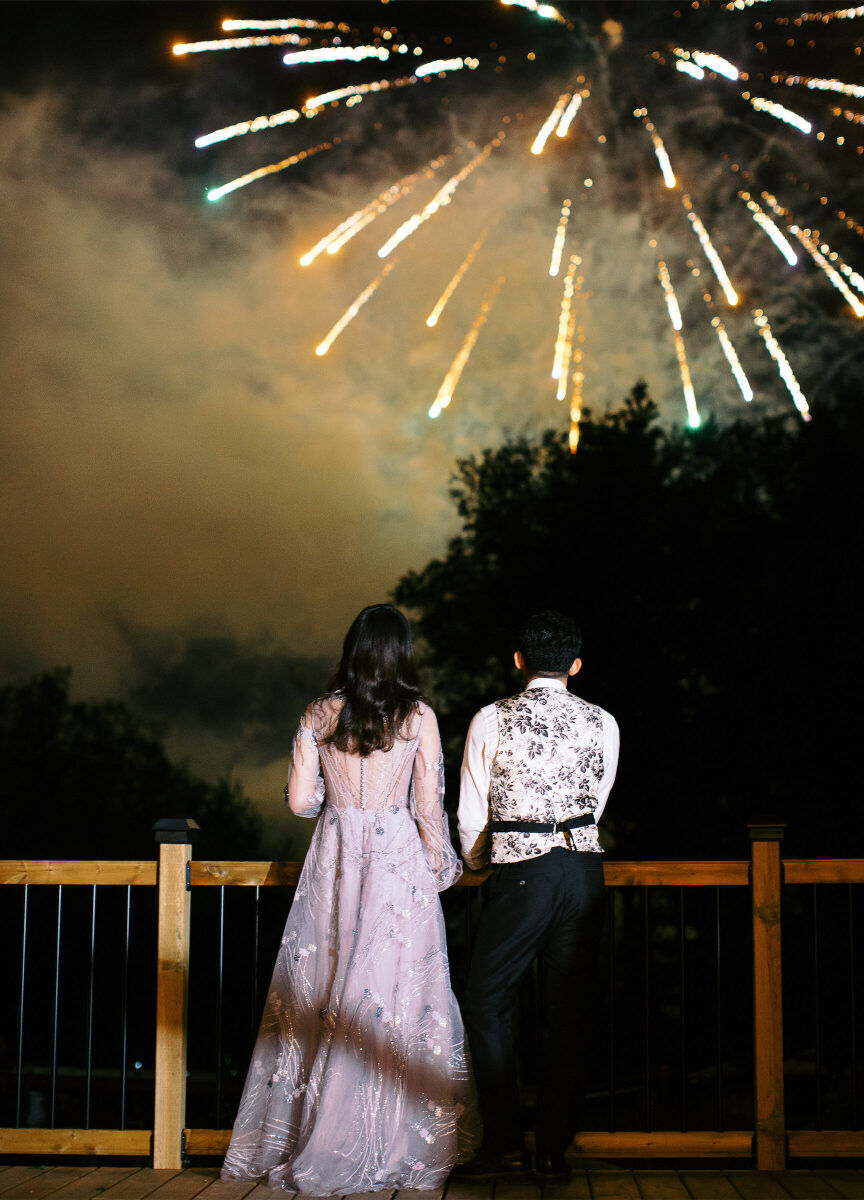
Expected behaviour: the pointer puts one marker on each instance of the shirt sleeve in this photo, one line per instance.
(304, 791)
(474, 792)
(611, 742)
(427, 804)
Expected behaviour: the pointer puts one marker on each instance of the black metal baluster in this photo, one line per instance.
(683, 1030)
(816, 1008)
(124, 1008)
(21, 1008)
(852, 1010)
(89, 1084)
(55, 1028)
(647, 967)
(611, 894)
(717, 1006)
(219, 1006)
(255, 944)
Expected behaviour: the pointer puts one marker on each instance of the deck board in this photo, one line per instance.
(21, 1176)
(577, 1188)
(709, 1185)
(614, 1185)
(140, 1184)
(757, 1185)
(804, 1185)
(661, 1185)
(46, 1183)
(848, 1183)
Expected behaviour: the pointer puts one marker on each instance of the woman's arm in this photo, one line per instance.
(427, 804)
(304, 792)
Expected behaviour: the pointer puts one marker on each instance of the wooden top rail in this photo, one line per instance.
(823, 870)
(286, 874)
(70, 871)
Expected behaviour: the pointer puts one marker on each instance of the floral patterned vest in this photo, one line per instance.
(547, 767)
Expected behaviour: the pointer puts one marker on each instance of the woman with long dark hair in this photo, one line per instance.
(359, 1079)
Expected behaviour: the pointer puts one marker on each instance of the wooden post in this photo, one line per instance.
(172, 987)
(765, 840)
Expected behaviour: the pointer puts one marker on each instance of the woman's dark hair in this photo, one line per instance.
(377, 680)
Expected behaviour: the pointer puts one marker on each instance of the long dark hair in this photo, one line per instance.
(377, 680)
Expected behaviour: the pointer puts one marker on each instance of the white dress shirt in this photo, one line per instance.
(480, 749)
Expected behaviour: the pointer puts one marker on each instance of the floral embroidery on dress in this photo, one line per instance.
(548, 767)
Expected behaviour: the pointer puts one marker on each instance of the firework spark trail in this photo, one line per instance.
(733, 360)
(767, 225)
(352, 310)
(244, 43)
(287, 117)
(693, 418)
(710, 253)
(243, 180)
(839, 14)
(815, 252)
(337, 54)
(311, 108)
(708, 61)
(576, 395)
(444, 298)
(569, 113)
(567, 356)
(564, 317)
(285, 23)
(560, 234)
(542, 10)
(783, 367)
(689, 68)
(333, 241)
(438, 66)
(659, 149)
(669, 295)
(822, 85)
(857, 118)
(556, 115)
(451, 379)
(779, 111)
(441, 198)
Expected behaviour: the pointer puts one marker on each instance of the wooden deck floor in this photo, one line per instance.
(136, 1183)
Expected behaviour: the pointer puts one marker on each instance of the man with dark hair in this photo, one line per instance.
(536, 775)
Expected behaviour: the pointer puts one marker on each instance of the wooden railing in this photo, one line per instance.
(176, 873)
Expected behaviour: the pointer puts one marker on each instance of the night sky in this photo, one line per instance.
(176, 460)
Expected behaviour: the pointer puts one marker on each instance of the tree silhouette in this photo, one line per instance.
(88, 780)
(710, 571)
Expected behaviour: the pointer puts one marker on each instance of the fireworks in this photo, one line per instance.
(779, 111)
(451, 379)
(669, 295)
(440, 199)
(785, 371)
(244, 43)
(807, 241)
(732, 359)
(555, 116)
(765, 223)
(333, 241)
(560, 234)
(451, 287)
(353, 309)
(710, 253)
(385, 45)
(659, 149)
(243, 180)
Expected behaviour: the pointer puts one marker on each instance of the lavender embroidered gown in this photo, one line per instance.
(359, 1078)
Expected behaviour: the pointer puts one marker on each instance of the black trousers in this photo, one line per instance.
(552, 906)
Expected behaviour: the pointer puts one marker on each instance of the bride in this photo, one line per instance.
(358, 1080)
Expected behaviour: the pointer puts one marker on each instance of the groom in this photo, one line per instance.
(536, 775)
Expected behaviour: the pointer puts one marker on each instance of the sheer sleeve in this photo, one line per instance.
(427, 804)
(304, 791)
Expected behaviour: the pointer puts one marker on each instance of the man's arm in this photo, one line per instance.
(474, 794)
(611, 741)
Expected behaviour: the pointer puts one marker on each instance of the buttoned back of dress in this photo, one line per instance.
(547, 767)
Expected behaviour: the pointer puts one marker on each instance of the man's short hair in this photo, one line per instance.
(550, 642)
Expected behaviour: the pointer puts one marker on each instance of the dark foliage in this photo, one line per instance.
(710, 572)
(88, 780)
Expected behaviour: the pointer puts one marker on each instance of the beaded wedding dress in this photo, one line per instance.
(359, 1080)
